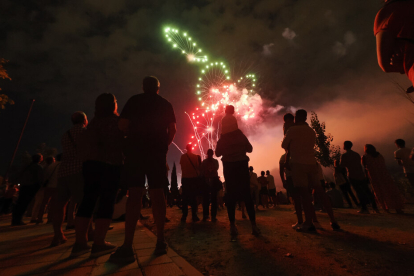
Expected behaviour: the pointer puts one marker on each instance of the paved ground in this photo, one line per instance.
(374, 244)
(24, 251)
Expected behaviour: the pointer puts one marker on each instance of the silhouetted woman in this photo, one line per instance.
(385, 190)
(102, 152)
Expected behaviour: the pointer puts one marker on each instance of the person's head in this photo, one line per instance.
(348, 145)
(59, 157)
(267, 173)
(106, 105)
(189, 148)
(49, 160)
(262, 173)
(288, 117)
(371, 150)
(400, 143)
(151, 84)
(79, 118)
(251, 168)
(210, 153)
(301, 116)
(229, 109)
(332, 185)
(37, 158)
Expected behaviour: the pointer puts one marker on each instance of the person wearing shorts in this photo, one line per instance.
(70, 179)
(148, 121)
(300, 141)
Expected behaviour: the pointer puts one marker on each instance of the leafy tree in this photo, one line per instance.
(4, 99)
(326, 153)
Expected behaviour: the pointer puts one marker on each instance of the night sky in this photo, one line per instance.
(317, 55)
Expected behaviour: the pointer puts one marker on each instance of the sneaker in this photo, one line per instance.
(123, 255)
(100, 250)
(297, 225)
(255, 231)
(335, 226)
(306, 228)
(161, 248)
(79, 249)
(195, 219)
(363, 211)
(19, 223)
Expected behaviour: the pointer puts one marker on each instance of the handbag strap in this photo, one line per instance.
(192, 164)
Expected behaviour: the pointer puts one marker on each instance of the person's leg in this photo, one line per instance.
(47, 193)
(133, 209)
(37, 204)
(92, 189)
(71, 213)
(159, 210)
(257, 196)
(326, 203)
(184, 198)
(213, 194)
(362, 196)
(344, 190)
(206, 200)
(58, 215)
(410, 177)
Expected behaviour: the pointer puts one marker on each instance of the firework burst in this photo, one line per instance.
(182, 41)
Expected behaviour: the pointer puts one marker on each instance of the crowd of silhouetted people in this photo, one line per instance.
(115, 155)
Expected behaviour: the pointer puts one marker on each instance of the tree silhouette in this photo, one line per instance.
(4, 99)
(326, 153)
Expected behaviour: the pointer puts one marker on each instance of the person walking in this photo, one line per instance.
(70, 179)
(209, 171)
(148, 121)
(102, 154)
(402, 155)
(264, 192)
(191, 183)
(232, 147)
(351, 160)
(300, 141)
(272, 188)
(30, 182)
(385, 190)
(341, 180)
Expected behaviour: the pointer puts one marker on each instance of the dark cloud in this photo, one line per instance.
(65, 53)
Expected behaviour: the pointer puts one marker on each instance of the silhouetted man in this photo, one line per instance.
(190, 181)
(209, 170)
(300, 141)
(148, 121)
(351, 160)
(402, 155)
